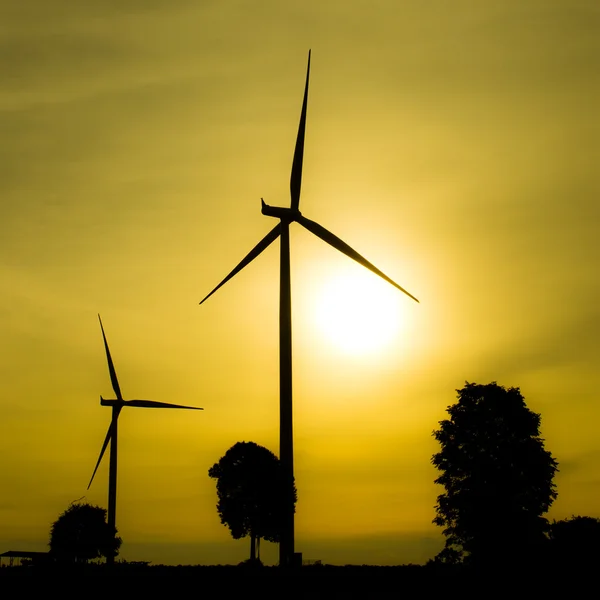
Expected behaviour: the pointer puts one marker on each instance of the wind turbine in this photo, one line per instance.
(287, 216)
(111, 435)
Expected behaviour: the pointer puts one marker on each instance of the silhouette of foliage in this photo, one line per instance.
(252, 492)
(447, 556)
(576, 541)
(81, 533)
(497, 474)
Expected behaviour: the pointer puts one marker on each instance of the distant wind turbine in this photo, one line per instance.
(287, 216)
(111, 435)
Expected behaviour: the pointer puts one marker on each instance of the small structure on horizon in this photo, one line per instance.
(18, 558)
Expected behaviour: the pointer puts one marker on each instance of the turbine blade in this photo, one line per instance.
(104, 446)
(111, 367)
(153, 404)
(340, 245)
(264, 243)
(296, 178)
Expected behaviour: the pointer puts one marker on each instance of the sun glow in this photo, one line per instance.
(358, 313)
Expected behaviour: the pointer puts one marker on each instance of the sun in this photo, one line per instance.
(358, 313)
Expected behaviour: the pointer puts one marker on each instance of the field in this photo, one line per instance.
(309, 582)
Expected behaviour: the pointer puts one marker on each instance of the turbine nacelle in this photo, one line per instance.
(287, 215)
(107, 402)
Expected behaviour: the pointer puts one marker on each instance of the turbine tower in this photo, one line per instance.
(287, 216)
(111, 436)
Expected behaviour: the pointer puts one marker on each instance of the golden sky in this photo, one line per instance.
(453, 144)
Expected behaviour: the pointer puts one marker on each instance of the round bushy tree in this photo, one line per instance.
(576, 542)
(251, 491)
(81, 533)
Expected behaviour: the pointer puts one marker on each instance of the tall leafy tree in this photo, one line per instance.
(497, 475)
(81, 533)
(252, 492)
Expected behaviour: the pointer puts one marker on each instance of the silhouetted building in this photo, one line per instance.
(21, 557)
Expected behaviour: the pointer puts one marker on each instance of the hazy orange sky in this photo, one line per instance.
(453, 144)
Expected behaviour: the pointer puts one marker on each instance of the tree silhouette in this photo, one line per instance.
(252, 492)
(576, 541)
(497, 474)
(81, 533)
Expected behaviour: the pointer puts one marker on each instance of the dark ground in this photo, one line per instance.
(310, 582)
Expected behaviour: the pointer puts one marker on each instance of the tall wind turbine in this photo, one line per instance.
(287, 216)
(111, 435)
